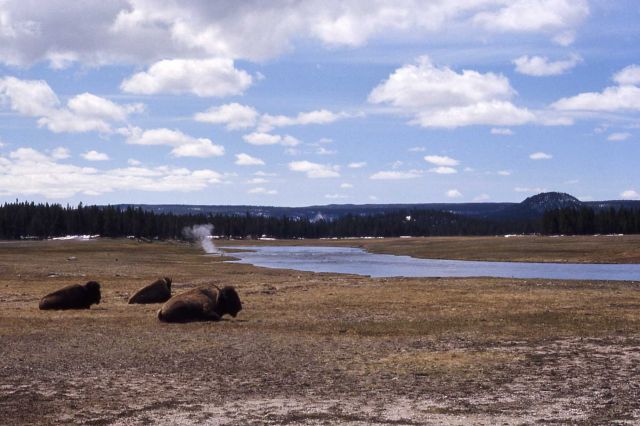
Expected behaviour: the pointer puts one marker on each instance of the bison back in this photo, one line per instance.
(158, 292)
(71, 297)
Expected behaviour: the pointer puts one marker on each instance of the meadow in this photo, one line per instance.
(320, 348)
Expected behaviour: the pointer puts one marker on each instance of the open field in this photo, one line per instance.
(312, 348)
(574, 249)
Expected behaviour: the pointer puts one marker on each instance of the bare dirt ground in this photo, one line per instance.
(310, 348)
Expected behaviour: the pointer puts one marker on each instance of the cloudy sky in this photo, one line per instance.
(318, 101)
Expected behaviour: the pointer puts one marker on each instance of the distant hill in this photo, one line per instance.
(531, 207)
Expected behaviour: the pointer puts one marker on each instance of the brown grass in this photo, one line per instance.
(339, 343)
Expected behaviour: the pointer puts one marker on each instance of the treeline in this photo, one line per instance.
(29, 220)
(586, 221)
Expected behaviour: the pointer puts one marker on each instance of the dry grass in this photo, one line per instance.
(309, 348)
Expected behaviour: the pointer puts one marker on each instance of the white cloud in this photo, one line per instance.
(84, 113)
(314, 170)
(628, 76)
(133, 162)
(417, 149)
(357, 165)
(504, 173)
(234, 116)
(28, 172)
(555, 16)
(441, 160)
(183, 145)
(453, 193)
(616, 137)
(324, 151)
(60, 153)
(442, 170)
(501, 131)
(138, 32)
(630, 194)
(540, 156)
(260, 138)
(95, 156)
(346, 186)
(441, 97)
(540, 66)
(482, 197)
(323, 116)
(247, 160)
(623, 97)
(202, 77)
(395, 175)
(262, 191)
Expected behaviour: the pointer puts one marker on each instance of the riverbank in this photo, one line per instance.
(309, 348)
(542, 249)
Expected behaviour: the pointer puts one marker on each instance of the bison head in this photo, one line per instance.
(230, 301)
(93, 291)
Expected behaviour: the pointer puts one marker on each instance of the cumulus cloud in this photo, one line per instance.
(442, 170)
(453, 193)
(247, 160)
(201, 77)
(335, 196)
(183, 145)
(623, 97)
(257, 181)
(122, 31)
(95, 156)
(617, 137)
(314, 170)
(395, 175)
(628, 76)
(540, 156)
(630, 194)
(441, 160)
(83, 113)
(346, 186)
(234, 116)
(28, 172)
(60, 153)
(541, 66)
(260, 138)
(442, 97)
(323, 116)
(504, 173)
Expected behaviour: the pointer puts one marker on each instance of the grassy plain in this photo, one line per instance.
(310, 348)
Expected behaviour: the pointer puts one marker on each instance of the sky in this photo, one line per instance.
(294, 103)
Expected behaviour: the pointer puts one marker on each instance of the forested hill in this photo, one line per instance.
(569, 216)
(531, 207)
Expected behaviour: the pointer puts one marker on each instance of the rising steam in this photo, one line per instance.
(201, 234)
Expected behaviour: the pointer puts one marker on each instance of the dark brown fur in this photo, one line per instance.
(201, 304)
(157, 292)
(75, 296)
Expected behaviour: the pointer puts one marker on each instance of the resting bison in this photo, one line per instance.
(73, 297)
(201, 304)
(156, 292)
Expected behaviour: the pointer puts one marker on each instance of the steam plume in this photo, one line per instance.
(201, 234)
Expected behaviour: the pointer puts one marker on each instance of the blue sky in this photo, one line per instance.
(317, 102)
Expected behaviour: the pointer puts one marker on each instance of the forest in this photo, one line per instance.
(23, 220)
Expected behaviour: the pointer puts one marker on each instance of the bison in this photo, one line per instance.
(157, 292)
(75, 296)
(201, 304)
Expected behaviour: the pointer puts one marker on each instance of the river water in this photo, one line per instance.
(347, 260)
